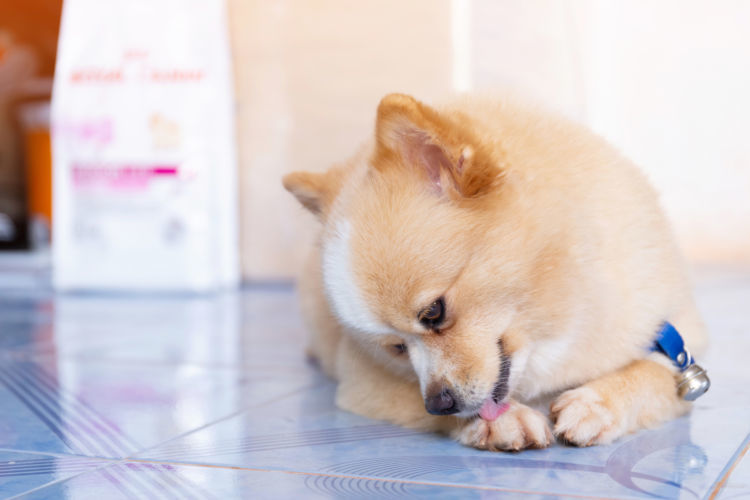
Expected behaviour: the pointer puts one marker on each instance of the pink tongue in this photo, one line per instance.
(491, 410)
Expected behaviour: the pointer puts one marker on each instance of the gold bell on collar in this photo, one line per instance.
(693, 382)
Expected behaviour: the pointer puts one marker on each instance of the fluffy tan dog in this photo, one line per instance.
(476, 258)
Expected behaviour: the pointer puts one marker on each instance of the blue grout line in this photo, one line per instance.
(31, 406)
(48, 401)
(74, 423)
(721, 480)
(123, 487)
(116, 437)
(233, 414)
(56, 481)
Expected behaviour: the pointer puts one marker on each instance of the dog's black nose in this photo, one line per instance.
(442, 403)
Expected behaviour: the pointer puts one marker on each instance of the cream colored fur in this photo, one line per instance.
(539, 236)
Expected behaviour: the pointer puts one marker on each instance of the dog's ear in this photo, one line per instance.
(315, 191)
(447, 153)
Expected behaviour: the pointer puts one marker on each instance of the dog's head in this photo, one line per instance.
(422, 246)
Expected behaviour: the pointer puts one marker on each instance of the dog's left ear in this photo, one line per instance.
(315, 191)
(448, 154)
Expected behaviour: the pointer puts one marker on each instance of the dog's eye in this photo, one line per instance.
(398, 349)
(433, 315)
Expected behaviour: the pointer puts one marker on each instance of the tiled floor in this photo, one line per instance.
(211, 397)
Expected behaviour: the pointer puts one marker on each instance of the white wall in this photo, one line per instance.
(667, 82)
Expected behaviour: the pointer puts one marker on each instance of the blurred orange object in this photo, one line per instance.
(37, 151)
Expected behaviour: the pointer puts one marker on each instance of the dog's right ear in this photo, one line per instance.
(315, 191)
(442, 148)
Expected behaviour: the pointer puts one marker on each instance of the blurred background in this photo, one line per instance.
(142, 143)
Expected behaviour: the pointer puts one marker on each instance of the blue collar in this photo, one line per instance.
(669, 342)
(693, 380)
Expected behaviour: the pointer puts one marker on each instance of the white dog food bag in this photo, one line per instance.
(144, 147)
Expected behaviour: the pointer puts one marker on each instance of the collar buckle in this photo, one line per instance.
(693, 381)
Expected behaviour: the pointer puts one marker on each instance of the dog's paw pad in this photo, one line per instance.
(582, 418)
(518, 428)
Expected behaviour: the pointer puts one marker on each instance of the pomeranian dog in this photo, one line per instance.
(479, 260)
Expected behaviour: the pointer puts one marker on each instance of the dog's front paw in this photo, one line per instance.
(518, 428)
(582, 417)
